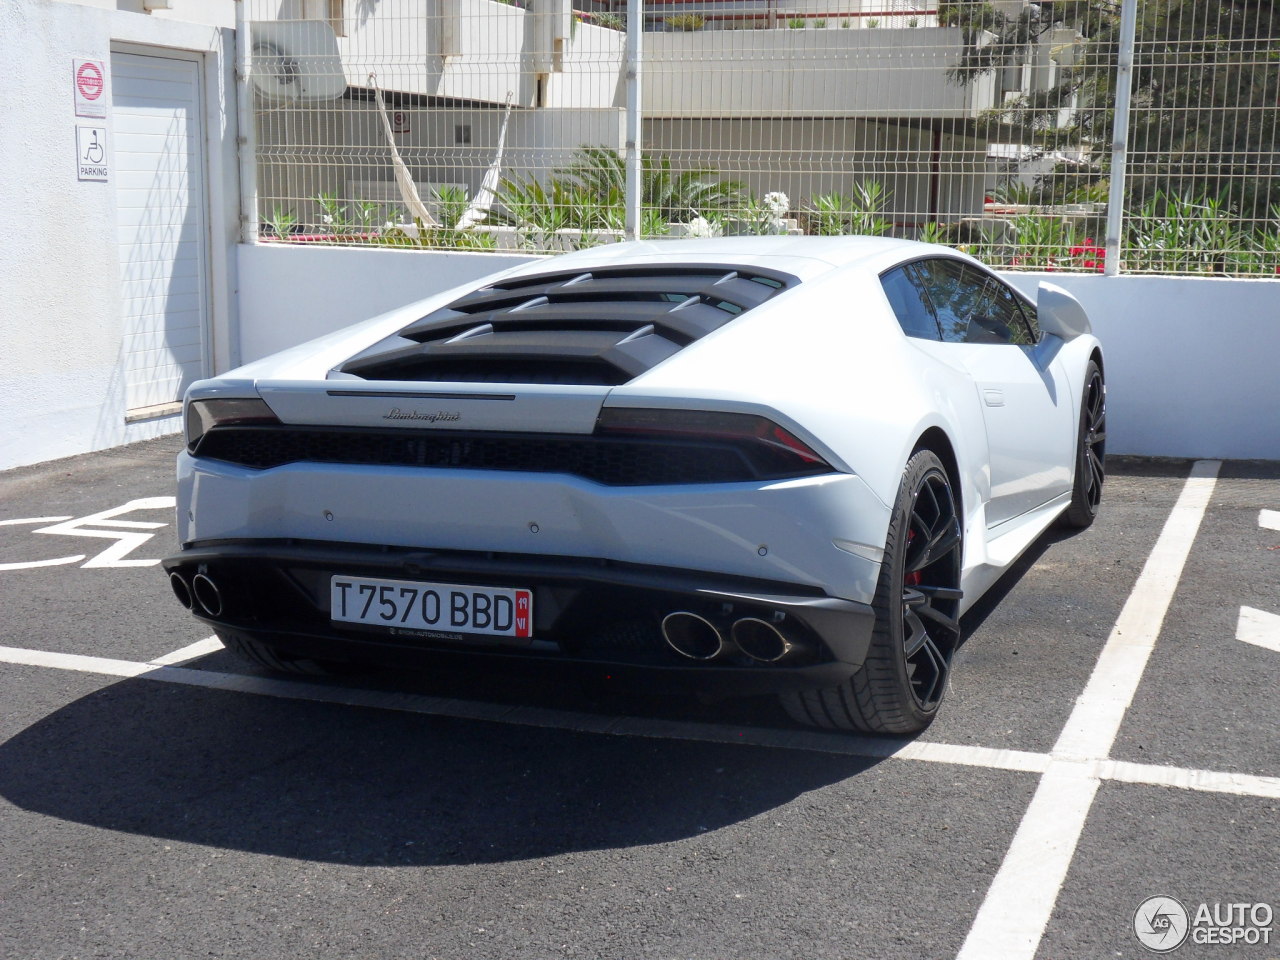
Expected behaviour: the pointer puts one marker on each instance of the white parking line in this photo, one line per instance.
(1258, 627)
(1270, 519)
(1019, 761)
(1011, 921)
(198, 649)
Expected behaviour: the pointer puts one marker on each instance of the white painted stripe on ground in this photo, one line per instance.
(32, 564)
(1011, 921)
(73, 661)
(1269, 519)
(190, 652)
(1259, 628)
(1095, 721)
(1207, 781)
(817, 741)
(1012, 918)
(925, 751)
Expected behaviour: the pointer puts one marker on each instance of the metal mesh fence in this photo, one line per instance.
(1203, 185)
(985, 124)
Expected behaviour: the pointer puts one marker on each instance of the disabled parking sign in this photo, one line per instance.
(91, 153)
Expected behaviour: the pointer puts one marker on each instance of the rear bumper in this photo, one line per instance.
(591, 616)
(825, 532)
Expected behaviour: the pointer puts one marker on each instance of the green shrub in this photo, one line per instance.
(686, 21)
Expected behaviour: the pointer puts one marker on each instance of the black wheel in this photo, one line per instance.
(261, 654)
(917, 605)
(1091, 452)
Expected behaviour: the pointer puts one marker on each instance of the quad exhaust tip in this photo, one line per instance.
(181, 590)
(761, 640)
(692, 636)
(207, 594)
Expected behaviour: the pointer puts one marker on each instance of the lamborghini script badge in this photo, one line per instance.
(440, 416)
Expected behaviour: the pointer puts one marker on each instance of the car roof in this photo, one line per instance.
(803, 257)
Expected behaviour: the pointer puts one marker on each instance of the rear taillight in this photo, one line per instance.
(774, 451)
(204, 415)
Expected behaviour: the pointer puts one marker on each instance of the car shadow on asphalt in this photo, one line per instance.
(985, 605)
(361, 786)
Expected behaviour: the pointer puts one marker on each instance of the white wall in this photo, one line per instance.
(61, 382)
(1191, 363)
(887, 72)
(290, 293)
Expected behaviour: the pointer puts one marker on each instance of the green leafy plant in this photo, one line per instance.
(796, 23)
(589, 197)
(1013, 193)
(1173, 233)
(685, 21)
(363, 218)
(281, 222)
(858, 212)
(968, 14)
(602, 173)
(332, 213)
(873, 23)
(611, 21)
(450, 203)
(762, 216)
(1039, 242)
(819, 24)
(933, 232)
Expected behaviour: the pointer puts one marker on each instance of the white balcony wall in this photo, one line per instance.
(478, 50)
(899, 73)
(591, 77)
(829, 13)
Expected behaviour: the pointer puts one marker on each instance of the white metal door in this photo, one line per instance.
(160, 190)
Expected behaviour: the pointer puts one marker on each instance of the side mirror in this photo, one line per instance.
(1060, 313)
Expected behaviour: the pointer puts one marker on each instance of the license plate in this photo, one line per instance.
(432, 609)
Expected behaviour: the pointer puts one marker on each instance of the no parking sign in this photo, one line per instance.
(90, 79)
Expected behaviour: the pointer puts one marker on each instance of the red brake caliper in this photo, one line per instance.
(913, 578)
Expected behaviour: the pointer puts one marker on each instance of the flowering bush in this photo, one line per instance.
(1088, 255)
(777, 203)
(701, 227)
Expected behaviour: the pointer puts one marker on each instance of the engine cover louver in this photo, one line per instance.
(600, 327)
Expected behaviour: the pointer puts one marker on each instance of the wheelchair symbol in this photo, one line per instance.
(93, 152)
(128, 535)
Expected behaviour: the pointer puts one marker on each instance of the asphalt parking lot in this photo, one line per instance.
(1110, 737)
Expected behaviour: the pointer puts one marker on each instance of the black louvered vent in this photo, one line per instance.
(601, 327)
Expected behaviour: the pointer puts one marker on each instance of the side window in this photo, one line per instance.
(956, 294)
(972, 306)
(999, 319)
(910, 303)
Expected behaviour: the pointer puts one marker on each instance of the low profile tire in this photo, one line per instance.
(260, 654)
(917, 607)
(1091, 453)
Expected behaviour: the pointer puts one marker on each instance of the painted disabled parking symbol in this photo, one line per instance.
(127, 534)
